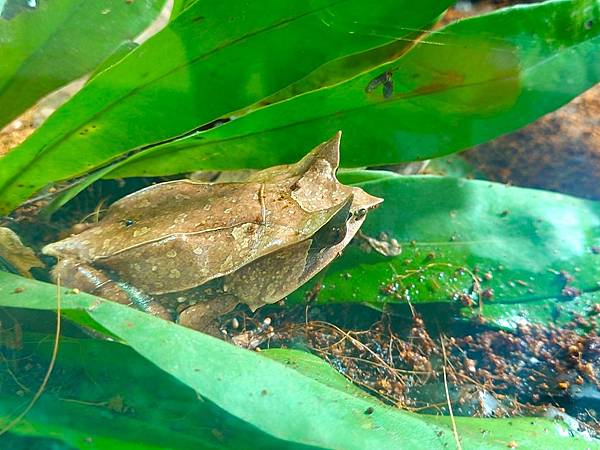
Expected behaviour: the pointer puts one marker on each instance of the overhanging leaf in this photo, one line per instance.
(282, 400)
(57, 41)
(214, 60)
(467, 83)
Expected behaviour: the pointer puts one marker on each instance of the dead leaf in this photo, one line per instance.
(16, 255)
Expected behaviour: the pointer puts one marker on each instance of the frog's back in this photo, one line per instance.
(180, 234)
(223, 227)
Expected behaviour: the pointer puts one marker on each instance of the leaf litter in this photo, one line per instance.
(535, 370)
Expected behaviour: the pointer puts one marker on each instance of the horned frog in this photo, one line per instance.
(190, 252)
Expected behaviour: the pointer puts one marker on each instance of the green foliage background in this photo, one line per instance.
(277, 78)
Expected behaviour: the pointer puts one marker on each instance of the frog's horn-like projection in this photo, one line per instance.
(328, 151)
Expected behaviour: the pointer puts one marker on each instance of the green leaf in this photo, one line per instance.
(92, 403)
(58, 41)
(465, 84)
(558, 311)
(178, 6)
(285, 399)
(64, 197)
(214, 60)
(117, 55)
(356, 176)
(522, 237)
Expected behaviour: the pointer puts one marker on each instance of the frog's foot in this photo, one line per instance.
(77, 274)
(254, 338)
(203, 316)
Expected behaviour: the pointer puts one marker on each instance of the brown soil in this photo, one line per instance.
(16, 132)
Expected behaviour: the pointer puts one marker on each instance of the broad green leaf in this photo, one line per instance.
(280, 398)
(57, 41)
(469, 82)
(451, 228)
(212, 60)
(356, 176)
(558, 311)
(178, 6)
(92, 402)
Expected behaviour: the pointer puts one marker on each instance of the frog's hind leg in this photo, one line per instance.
(78, 274)
(203, 315)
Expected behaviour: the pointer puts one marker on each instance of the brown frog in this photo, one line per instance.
(190, 251)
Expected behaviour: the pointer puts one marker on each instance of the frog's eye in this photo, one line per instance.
(360, 213)
(127, 222)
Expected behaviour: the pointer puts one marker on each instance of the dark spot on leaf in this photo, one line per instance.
(263, 392)
(369, 411)
(588, 24)
(197, 19)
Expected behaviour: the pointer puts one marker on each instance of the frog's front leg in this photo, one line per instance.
(203, 315)
(80, 275)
